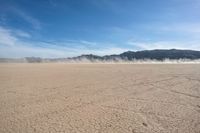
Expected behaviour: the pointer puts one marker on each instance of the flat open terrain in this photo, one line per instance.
(95, 98)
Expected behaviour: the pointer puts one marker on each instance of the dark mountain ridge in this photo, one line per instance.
(157, 54)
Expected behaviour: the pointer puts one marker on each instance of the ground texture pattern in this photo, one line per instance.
(99, 98)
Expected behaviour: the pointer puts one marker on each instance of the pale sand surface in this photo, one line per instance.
(95, 98)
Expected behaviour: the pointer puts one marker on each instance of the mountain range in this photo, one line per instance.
(158, 54)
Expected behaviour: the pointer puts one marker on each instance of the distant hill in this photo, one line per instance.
(158, 54)
(161, 54)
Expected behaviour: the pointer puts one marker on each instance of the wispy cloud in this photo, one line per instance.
(28, 18)
(88, 42)
(160, 35)
(6, 37)
(10, 37)
(11, 45)
(53, 3)
(21, 33)
(110, 5)
(27, 51)
(2, 18)
(184, 28)
(166, 45)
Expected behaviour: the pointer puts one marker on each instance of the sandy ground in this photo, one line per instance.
(95, 98)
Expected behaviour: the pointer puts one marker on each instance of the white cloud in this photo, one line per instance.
(6, 37)
(10, 37)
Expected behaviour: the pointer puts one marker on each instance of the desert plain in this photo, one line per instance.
(99, 98)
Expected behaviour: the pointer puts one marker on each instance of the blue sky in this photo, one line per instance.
(65, 28)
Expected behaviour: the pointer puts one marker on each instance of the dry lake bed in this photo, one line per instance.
(99, 98)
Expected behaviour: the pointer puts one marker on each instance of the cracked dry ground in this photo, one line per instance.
(95, 98)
